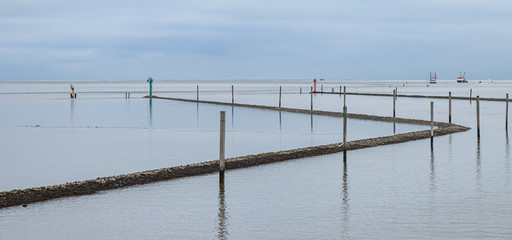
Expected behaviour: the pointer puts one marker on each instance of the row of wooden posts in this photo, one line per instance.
(222, 160)
(222, 163)
(395, 96)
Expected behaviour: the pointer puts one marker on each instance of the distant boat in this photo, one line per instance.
(433, 78)
(462, 78)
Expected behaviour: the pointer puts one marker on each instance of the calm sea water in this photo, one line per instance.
(458, 187)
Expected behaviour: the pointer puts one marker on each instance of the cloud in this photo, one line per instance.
(348, 39)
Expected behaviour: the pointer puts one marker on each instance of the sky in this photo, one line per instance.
(264, 39)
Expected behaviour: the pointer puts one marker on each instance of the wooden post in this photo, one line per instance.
(478, 116)
(450, 107)
(344, 117)
(470, 93)
(396, 92)
(300, 90)
(332, 90)
(311, 98)
(344, 95)
(280, 90)
(322, 86)
(197, 93)
(232, 94)
(340, 89)
(431, 119)
(506, 112)
(394, 103)
(345, 128)
(222, 164)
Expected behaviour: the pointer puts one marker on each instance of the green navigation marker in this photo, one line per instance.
(150, 81)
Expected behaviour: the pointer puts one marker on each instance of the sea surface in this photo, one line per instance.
(456, 187)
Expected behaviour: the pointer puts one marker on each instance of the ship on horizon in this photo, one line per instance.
(462, 78)
(433, 78)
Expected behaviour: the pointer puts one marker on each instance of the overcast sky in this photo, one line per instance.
(264, 39)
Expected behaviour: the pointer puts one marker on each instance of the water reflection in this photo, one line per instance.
(432, 166)
(127, 107)
(478, 166)
(450, 148)
(280, 122)
(311, 122)
(197, 115)
(151, 113)
(507, 156)
(72, 110)
(222, 231)
(232, 117)
(345, 206)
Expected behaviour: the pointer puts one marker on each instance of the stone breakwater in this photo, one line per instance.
(314, 112)
(418, 96)
(31, 195)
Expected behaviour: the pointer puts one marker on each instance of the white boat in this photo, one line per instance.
(433, 78)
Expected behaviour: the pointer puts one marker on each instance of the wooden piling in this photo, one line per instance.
(280, 90)
(232, 94)
(332, 90)
(344, 127)
(450, 107)
(506, 112)
(470, 93)
(340, 89)
(322, 86)
(394, 103)
(300, 90)
(197, 92)
(222, 164)
(344, 116)
(344, 95)
(478, 116)
(311, 98)
(431, 119)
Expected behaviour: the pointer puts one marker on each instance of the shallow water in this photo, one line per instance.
(50, 139)
(459, 187)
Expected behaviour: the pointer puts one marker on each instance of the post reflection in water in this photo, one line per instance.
(197, 115)
(450, 149)
(280, 122)
(232, 117)
(432, 166)
(72, 111)
(311, 122)
(151, 113)
(127, 107)
(478, 165)
(507, 155)
(345, 206)
(222, 231)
